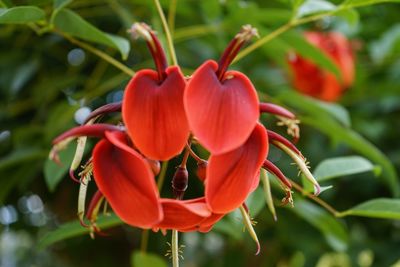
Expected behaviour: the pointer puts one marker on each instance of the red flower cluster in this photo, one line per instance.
(163, 114)
(312, 80)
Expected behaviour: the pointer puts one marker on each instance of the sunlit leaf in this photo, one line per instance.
(385, 208)
(350, 15)
(342, 166)
(314, 6)
(71, 23)
(21, 15)
(382, 48)
(337, 111)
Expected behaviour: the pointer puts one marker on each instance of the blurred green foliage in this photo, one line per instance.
(57, 58)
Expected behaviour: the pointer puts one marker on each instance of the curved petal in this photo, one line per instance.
(206, 225)
(221, 115)
(126, 181)
(180, 214)
(230, 176)
(154, 114)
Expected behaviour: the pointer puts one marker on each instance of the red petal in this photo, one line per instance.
(179, 214)
(154, 114)
(206, 225)
(126, 181)
(230, 176)
(221, 115)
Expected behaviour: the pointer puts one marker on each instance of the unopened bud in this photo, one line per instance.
(202, 169)
(180, 182)
(154, 165)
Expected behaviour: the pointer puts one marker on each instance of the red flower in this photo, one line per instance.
(222, 106)
(312, 80)
(222, 109)
(152, 108)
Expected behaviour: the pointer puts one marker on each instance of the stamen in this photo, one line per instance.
(249, 226)
(301, 163)
(292, 127)
(108, 108)
(267, 193)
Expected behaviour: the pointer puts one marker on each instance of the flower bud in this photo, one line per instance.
(201, 170)
(154, 165)
(180, 182)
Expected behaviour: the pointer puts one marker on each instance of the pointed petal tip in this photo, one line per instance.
(317, 189)
(258, 249)
(72, 176)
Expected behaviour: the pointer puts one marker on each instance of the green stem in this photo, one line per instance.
(144, 240)
(161, 176)
(170, 44)
(317, 200)
(262, 41)
(171, 16)
(175, 249)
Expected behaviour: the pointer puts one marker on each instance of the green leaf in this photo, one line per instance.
(382, 48)
(314, 6)
(358, 3)
(21, 15)
(337, 111)
(60, 4)
(71, 23)
(144, 259)
(309, 51)
(53, 172)
(350, 15)
(21, 156)
(341, 166)
(385, 208)
(255, 202)
(333, 231)
(312, 114)
(74, 228)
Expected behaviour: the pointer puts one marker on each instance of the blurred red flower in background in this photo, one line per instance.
(312, 80)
